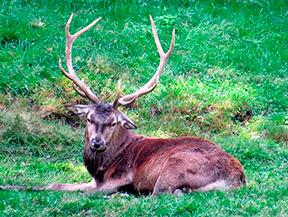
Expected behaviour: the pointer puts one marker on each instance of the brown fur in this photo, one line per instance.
(144, 164)
(164, 165)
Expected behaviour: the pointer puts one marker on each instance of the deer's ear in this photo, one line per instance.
(80, 110)
(126, 122)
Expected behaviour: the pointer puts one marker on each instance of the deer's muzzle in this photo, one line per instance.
(97, 144)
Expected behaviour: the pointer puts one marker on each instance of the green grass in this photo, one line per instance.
(226, 81)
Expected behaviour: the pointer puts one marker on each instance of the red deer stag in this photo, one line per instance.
(117, 158)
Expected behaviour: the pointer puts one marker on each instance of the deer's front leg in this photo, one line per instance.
(112, 185)
(69, 187)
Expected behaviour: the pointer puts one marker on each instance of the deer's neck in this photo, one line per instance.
(98, 162)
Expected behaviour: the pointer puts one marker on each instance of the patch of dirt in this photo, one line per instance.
(243, 117)
(2, 107)
(155, 111)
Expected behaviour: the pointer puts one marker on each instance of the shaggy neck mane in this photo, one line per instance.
(98, 161)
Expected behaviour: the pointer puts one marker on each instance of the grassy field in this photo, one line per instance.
(226, 81)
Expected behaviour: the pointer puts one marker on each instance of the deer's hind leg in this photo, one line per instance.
(190, 173)
(171, 178)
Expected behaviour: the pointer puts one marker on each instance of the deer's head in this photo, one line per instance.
(104, 119)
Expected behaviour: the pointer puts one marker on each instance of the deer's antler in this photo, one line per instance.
(152, 83)
(83, 89)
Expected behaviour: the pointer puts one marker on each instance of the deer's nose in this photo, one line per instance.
(97, 143)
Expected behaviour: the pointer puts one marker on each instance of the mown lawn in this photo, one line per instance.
(226, 81)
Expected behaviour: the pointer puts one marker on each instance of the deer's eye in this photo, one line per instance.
(113, 124)
(88, 120)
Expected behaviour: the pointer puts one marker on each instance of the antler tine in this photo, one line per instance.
(81, 93)
(116, 101)
(152, 83)
(84, 90)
